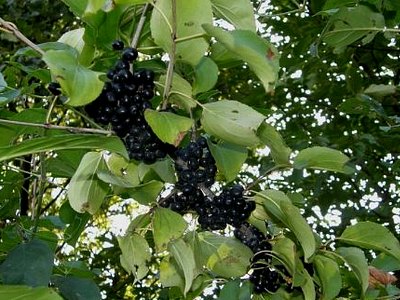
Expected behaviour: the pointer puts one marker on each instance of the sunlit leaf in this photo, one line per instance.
(239, 13)
(17, 292)
(280, 152)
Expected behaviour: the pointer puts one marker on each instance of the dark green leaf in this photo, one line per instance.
(77, 223)
(206, 75)
(76, 288)
(229, 158)
(29, 263)
(329, 276)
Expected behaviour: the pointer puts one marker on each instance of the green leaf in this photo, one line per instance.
(235, 290)
(65, 163)
(86, 191)
(30, 263)
(224, 256)
(170, 274)
(362, 104)
(77, 223)
(239, 13)
(279, 206)
(206, 75)
(180, 93)
(184, 257)
(280, 152)
(61, 142)
(322, 158)
(120, 166)
(74, 38)
(131, 2)
(76, 288)
(8, 96)
(167, 226)
(18, 292)
(380, 90)
(386, 263)
(229, 158)
(190, 15)
(355, 258)
(232, 121)
(260, 55)
(374, 236)
(3, 83)
(329, 276)
(146, 193)
(285, 249)
(350, 24)
(80, 84)
(169, 127)
(135, 255)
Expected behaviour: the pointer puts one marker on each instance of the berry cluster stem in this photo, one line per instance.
(139, 27)
(13, 29)
(171, 63)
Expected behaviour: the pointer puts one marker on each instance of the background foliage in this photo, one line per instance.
(333, 97)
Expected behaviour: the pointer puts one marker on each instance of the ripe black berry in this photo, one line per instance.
(129, 54)
(117, 45)
(54, 88)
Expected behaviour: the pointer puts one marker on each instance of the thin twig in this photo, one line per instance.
(139, 27)
(266, 173)
(170, 70)
(12, 28)
(57, 127)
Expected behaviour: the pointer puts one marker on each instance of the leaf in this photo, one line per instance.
(72, 287)
(80, 84)
(260, 55)
(355, 258)
(351, 24)
(280, 152)
(74, 38)
(30, 264)
(77, 223)
(329, 276)
(18, 292)
(235, 290)
(61, 142)
(229, 158)
(135, 255)
(169, 127)
(131, 2)
(206, 75)
(232, 121)
(374, 236)
(86, 191)
(322, 158)
(121, 167)
(239, 13)
(180, 93)
(378, 278)
(362, 104)
(65, 163)
(167, 226)
(380, 90)
(3, 83)
(146, 193)
(285, 249)
(279, 206)
(224, 256)
(184, 257)
(8, 96)
(386, 262)
(190, 15)
(170, 274)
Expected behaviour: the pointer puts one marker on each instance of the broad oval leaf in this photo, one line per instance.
(329, 276)
(232, 121)
(86, 191)
(260, 55)
(224, 256)
(285, 249)
(190, 15)
(169, 127)
(61, 142)
(72, 287)
(371, 235)
(322, 158)
(170, 274)
(280, 152)
(180, 93)
(14, 292)
(80, 84)
(278, 205)
(239, 13)
(184, 257)
(355, 258)
(167, 226)
(205, 75)
(28, 264)
(146, 193)
(135, 254)
(229, 158)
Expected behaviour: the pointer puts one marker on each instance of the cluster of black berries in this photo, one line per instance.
(122, 103)
(264, 278)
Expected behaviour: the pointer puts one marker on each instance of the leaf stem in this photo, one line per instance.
(266, 173)
(395, 30)
(139, 27)
(12, 28)
(189, 37)
(171, 63)
(57, 127)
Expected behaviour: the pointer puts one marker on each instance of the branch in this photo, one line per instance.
(170, 70)
(139, 27)
(13, 29)
(57, 127)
